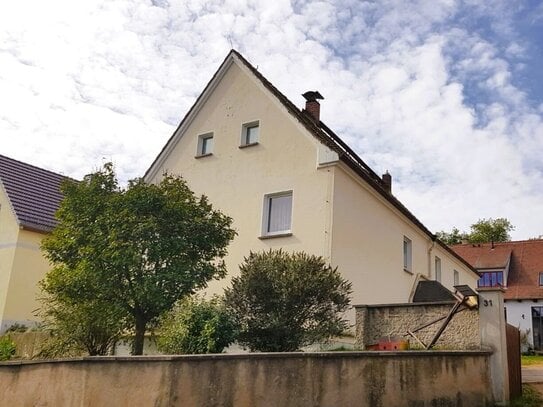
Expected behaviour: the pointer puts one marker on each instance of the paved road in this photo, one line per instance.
(532, 374)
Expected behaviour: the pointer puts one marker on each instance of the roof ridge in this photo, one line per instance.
(19, 162)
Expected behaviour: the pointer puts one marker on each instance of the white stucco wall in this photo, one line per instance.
(334, 213)
(519, 314)
(237, 180)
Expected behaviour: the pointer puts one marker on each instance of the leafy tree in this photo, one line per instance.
(139, 248)
(284, 301)
(483, 231)
(195, 325)
(491, 230)
(454, 237)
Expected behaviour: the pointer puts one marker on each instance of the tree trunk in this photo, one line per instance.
(139, 337)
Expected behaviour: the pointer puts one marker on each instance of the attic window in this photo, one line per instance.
(205, 145)
(250, 133)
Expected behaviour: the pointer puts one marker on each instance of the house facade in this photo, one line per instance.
(29, 197)
(290, 182)
(518, 267)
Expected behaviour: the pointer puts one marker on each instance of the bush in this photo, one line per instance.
(80, 327)
(284, 301)
(7, 348)
(195, 325)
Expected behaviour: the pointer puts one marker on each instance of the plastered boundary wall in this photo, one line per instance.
(373, 379)
(374, 322)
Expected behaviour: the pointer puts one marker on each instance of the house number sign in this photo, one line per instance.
(487, 303)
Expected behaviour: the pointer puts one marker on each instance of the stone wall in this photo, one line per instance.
(374, 322)
(372, 379)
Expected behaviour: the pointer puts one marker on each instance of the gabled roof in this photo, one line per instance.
(319, 130)
(34, 193)
(485, 257)
(525, 265)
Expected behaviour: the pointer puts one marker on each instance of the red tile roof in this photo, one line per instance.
(34, 193)
(526, 264)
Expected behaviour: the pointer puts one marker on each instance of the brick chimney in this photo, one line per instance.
(312, 106)
(387, 181)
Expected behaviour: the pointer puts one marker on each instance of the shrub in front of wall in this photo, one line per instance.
(7, 348)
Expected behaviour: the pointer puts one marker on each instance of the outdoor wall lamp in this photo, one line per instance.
(466, 295)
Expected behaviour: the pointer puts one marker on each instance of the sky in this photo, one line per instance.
(446, 95)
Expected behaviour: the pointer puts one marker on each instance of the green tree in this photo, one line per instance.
(482, 231)
(284, 301)
(491, 230)
(139, 248)
(195, 325)
(453, 237)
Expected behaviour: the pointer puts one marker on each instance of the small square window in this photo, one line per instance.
(438, 269)
(205, 144)
(407, 254)
(277, 214)
(250, 134)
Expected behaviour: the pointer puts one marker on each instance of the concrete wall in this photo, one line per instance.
(378, 321)
(370, 379)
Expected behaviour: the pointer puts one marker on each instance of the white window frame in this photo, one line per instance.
(244, 133)
(407, 254)
(437, 268)
(202, 151)
(268, 198)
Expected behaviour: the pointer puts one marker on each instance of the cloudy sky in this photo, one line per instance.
(445, 95)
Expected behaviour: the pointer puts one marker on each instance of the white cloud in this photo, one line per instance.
(415, 87)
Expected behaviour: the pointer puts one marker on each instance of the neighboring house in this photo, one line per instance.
(290, 182)
(518, 267)
(29, 197)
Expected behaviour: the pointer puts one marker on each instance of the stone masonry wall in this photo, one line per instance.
(374, 322)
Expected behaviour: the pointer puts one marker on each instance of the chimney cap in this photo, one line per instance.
(312, 95)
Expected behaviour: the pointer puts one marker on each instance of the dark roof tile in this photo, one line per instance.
(34, 193)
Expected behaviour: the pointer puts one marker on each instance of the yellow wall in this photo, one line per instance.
(236, 180)
(9, 231)
(21, 267)
(367, 245)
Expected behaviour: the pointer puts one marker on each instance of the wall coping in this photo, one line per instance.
(271, 355)
(404, 304)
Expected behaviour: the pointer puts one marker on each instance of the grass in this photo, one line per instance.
(527, 360)
(530, 398)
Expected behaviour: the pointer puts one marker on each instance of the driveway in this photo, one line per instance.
(532, 374)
